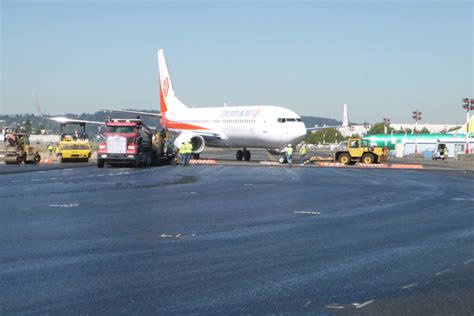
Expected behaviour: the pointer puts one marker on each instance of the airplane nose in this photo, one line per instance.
(300, 132)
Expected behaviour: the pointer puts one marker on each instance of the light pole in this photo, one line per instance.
(386, 124)
(417, 117)
(366, 127)
(468, 106)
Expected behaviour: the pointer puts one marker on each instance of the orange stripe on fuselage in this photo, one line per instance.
(178, 125)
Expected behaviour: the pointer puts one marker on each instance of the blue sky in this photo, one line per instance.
(384, 59)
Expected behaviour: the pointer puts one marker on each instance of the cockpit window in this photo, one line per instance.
(283, 120)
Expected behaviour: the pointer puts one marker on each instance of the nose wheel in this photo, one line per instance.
(243, 154)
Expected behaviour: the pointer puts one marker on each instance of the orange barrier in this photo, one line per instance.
(330, 164)
(406, 166)
(371, 165)
(44, 161)
(202, 162)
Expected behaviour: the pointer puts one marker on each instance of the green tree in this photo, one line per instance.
(28, 127)
(378, 128)
(424, 130)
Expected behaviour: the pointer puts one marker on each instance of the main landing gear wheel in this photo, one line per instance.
(247, 155)
(243, 154)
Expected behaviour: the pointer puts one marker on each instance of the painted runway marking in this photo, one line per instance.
(248, 185)
(176, 235)
(35, 180)
(307, 213)
(409, 286)
(25, 209)
(64, 205)
(443, 272)
(185, 236)
(18, 181)
(365, 304)
(469, 261)
(307, 304)
(270, 163)
(54, 178)
(335, 306)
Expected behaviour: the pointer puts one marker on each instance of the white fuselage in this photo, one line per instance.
(241, 126)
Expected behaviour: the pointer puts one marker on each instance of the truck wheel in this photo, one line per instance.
(148, 159)
(36, 159)
(100, 163)
(344, 158)
(367, 158)
(136, 162)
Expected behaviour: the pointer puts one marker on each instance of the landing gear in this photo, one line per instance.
(243, 154)
(239, 155)
(247, 155)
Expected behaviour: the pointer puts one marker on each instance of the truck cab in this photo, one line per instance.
(127, 141)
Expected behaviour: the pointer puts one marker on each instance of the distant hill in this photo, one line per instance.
(311, 121)
(37, 122)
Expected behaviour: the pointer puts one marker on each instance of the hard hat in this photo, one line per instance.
(289, 145)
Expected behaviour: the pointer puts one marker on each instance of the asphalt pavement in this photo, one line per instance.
(229, 239)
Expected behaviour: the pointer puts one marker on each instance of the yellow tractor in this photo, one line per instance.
(358, 150)
(74, 145)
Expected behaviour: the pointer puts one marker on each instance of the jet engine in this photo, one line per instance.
(274, 151)
(196, 140)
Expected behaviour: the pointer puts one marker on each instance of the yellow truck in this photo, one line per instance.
(359, 150)
(74, 146)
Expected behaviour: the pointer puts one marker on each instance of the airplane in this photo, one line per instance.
(255, 126)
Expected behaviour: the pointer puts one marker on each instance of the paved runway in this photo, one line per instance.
(236, 240)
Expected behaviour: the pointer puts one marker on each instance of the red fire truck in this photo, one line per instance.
(130, 141)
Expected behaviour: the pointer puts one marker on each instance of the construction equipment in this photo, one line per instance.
(130, 141)
(18, 149)
(74, 145)
(358, 150)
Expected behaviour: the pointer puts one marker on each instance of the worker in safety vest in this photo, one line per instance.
(50, 151)
(445, 153)
(189, 151)
(182, 153)
(302, 153)
(289, 154)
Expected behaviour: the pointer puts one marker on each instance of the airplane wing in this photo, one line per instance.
(318, 128)
(62, 119)
(134, 112)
